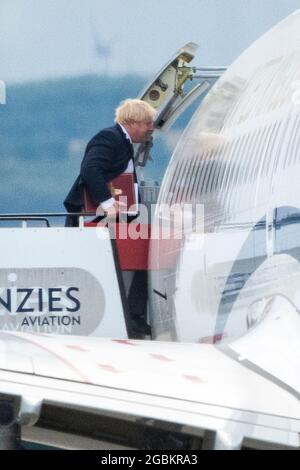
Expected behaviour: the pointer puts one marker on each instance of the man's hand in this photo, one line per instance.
(112, 211)
(115, 209)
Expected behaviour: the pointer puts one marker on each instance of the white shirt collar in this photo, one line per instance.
(126, 133)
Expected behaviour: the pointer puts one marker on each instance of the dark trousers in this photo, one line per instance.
(137, 297)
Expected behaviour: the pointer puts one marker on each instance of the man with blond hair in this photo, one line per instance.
(108, 154)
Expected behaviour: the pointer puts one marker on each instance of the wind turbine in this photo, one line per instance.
(102, 48)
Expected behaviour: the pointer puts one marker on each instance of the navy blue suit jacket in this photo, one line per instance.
(106, 157)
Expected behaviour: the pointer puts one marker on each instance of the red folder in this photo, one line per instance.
(122, 188)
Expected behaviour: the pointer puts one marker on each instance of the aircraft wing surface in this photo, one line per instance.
(198, 387)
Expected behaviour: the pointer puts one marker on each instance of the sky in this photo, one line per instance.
(54, 38)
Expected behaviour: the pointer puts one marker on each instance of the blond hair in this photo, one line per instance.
(134, 110)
